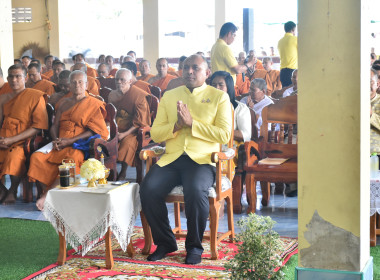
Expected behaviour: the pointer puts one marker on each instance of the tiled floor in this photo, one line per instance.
(282, 209)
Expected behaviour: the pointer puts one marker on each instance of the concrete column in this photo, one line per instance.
(333, 153)
(220, 15)
(6, 36)
(152, 32)
(54, 41)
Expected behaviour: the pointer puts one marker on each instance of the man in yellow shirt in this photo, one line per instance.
(287, 48)
(222, 58)
(193, 120)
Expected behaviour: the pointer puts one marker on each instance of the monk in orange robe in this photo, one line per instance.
(130, 65)
(79, 58)
(22, 116)
(109, 62)
(132, 113)
(63, 86)
(93, 84)
(144, 67)
(242, 84)
(271, 76)
(36, 82)
(77, 117)
(58, 67)
(47, 70)
(4, 87)
(162, 78)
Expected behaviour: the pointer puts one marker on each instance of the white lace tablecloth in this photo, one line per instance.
(83, 217)
(375, 197)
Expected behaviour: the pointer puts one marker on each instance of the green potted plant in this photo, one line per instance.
(258, 247)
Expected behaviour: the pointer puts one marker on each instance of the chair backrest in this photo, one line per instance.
(254, 132)
(111, 120)
(107, 82)
(153, 106)
(278, 93)
(104, 93)
(156, 91)
(273, 143)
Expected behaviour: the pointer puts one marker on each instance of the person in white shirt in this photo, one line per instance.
(223, 80)
(292, 90)
(257, 99)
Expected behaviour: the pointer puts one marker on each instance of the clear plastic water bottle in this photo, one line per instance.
(374, 166)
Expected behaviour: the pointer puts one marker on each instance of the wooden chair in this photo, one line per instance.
(221, 191)
(104, 92)
(283, 112)
(107, 82)
(156, 91)
(143, 136)
(239, 178)
(30, 146)
(108, 148)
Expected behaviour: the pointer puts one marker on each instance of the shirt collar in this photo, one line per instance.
(197, 90)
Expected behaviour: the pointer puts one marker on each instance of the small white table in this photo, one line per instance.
(82, 216)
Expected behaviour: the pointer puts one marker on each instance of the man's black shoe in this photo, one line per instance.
(160, 253)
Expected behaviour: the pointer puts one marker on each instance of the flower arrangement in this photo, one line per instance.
(92, 169)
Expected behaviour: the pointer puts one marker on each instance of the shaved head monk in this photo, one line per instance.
(63, 87)
(162, 78)
(26, 61)
(93, 84)
(144, 67)
(58, 67)
(109, 62)
(48, 69)
(78, 117)
(4, 87)
(132, 113)
(103, 70)
(79, 58)
(22, 115)
(130, 65)
(36, 82)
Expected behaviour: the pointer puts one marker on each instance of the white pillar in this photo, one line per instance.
(54, 42)
(151, 31)
(220, 15)
(6, 36)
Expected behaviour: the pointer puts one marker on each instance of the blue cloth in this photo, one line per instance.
(84, 145)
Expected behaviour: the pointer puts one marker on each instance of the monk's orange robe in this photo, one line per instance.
(143, 85)
(45, 86)
(91, 72)
(259, 65)
(49, 73)
(113, 72)
(163, 83)
(26, 110)
(179, 73)
(272, 78)
(44, 77)
(93, 85)
(146, 78)
(88, 114)
(5, 89)
(132, 110)
(174, 73)
(242, 87)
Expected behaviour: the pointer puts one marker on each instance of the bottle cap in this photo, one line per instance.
(374, 154)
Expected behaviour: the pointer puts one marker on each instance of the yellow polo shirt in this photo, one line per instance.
(287, 47)
(211, 111)
(222, 58)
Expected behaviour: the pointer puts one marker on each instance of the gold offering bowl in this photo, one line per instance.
(104, 180)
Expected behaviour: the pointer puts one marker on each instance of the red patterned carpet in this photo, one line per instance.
(92, 266)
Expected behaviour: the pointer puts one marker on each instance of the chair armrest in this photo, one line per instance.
(224, 155)
(251, 152)
(143, 136)
(151, 152)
